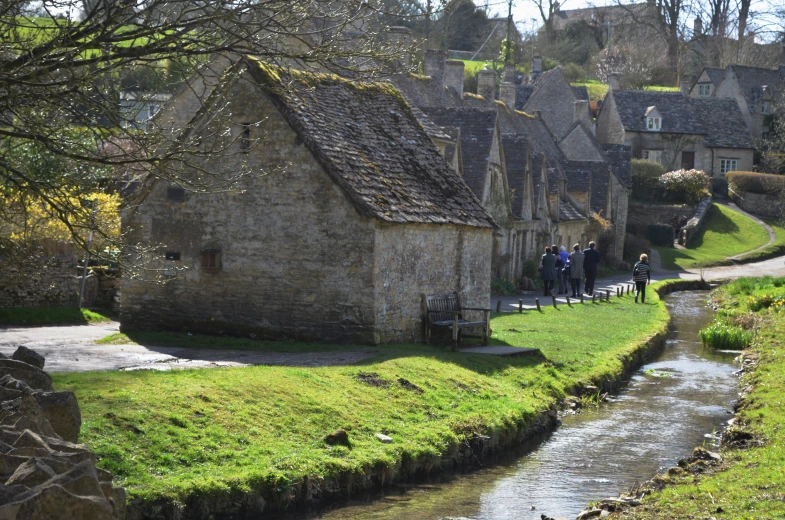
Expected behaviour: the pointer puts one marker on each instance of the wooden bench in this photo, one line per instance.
(444, 311)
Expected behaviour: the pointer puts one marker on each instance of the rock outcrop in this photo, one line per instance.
(45, 473)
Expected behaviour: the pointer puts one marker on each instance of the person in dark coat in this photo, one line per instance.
(547, 271)
(557, 269)
(641, 275)
(591, 261)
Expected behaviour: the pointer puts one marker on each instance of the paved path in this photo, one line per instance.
(73, 349)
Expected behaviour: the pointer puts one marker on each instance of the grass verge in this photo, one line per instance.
(726, 233)
(771, 251)
(50, 316)
(202, 436)
(750, 482)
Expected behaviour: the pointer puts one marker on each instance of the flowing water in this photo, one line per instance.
(670, 406)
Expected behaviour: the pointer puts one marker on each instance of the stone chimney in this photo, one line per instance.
(581, 115)
(536, 67)
(486, 84)
(684, 88)
(453, 76)
(697, 27)
(556, 7)
(399, 38)
(434, 64)
(507, 89)
(614, 80)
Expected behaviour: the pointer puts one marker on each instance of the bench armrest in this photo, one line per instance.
(444, 312)
(474, 309)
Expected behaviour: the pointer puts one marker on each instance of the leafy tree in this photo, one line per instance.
(60, 80)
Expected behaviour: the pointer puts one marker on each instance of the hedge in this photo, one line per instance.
(645, 179)
(660, 234)
(753, 182)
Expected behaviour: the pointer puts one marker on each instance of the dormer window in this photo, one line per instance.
(765, 107)
(704, 90)
(653, 119)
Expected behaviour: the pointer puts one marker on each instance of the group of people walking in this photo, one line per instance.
(569, 269)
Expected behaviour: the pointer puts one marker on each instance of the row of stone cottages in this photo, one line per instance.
(385, 197)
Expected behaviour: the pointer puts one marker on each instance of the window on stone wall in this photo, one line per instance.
(211, 260)
(728, 165)
(704, 90)
(245, 138)
(653, 123)
(653, 155)
(175, 194)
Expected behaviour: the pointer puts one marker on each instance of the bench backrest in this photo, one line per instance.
(444, 305)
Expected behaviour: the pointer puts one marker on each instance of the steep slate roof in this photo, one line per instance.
(477, 129)
(719, 120)
(715, 74)
(753, 79)
(568, 212)
(522, 95)
(515, 157)
(620, 157)
(372, 146)
(600, 180)
(579, 174)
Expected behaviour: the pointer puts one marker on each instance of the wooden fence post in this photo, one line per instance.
(581, 297)
(498, 305)
(554, 301)
(520, 306)
(568, 302)
(537, 301)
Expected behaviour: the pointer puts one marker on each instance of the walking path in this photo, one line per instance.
(73, 348)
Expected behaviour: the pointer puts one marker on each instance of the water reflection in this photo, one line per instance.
(664, 413)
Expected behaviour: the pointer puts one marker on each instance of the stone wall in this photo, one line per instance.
(758, 204)
(696, 223)
(39, 282)
(641, 215)
(46, 474)
(427, 259)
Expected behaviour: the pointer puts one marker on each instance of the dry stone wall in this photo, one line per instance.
(763, 205)
(39, 283)
(45, 473)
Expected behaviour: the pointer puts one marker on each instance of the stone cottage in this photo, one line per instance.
(756, 90)
(676, 130)
(352, 215)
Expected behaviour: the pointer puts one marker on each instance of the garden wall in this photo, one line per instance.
(696, 223)
(763, 205)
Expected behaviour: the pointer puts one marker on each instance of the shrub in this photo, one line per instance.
(660, 234)
(574, 73)
(688, 186)
(721, 335)
(766, 301)
(503, 287)
(645, 179)
(634, 246)
(761, 183)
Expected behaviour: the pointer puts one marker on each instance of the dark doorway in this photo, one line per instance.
(687, 160)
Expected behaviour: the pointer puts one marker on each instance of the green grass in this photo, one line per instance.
(50, 316)
(722, 335)
(597, 90)
(726, 233)
(751, 485)
(185, 434)
(772, 250)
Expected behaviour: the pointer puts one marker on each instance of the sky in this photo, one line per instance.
(524, 11)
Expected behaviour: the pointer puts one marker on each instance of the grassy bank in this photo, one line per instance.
(726, 233)
(200, 436)
(770, 251)
(50, 316)
(750, 481)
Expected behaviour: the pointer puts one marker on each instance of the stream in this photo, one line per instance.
(671, 405)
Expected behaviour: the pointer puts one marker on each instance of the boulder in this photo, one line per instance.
(53, 501)
(31, 474)
(62, 412)
(30, 357)
(36, 378)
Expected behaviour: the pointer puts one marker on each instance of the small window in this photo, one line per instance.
(653, 155)
(172, 255)
(653, 123)
(175, 194)
(211, 261)
(728, 165)
(704, 90)
(765, 107)
(245, 138)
